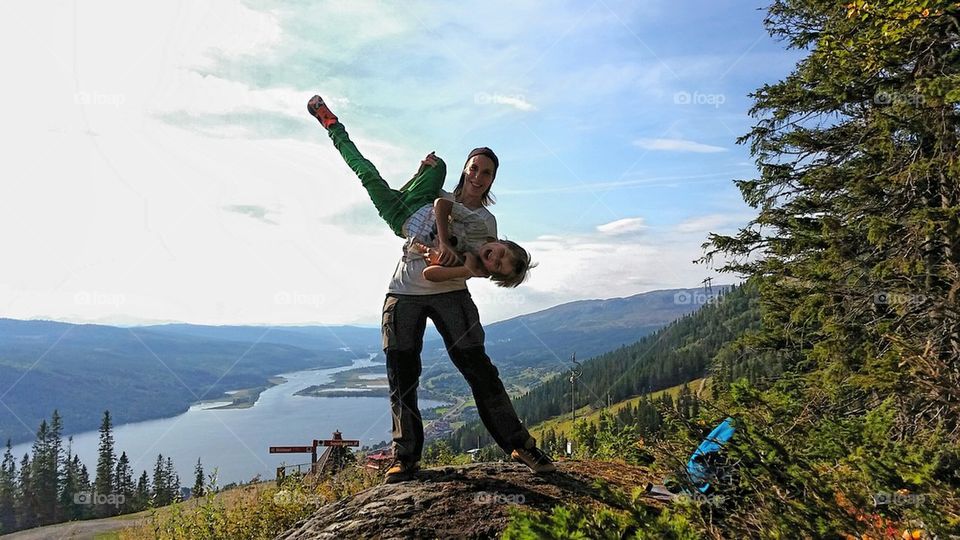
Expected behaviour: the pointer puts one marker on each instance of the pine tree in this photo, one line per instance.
(142, 495)
(8, 488)
(55, 459)
(106, 461)
(173, 479)
(123, 484)
(43, 476)
(855, 249)
(68, 507)
(198, 480)
(161, 484)
(84, 483)
(26, 501)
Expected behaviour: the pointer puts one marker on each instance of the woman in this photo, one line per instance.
(412, 299)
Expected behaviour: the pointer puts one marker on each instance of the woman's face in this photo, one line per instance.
(477, 177)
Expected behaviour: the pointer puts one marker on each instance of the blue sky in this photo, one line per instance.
(190, 185)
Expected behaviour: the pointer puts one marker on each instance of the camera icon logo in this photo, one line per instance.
(682, 298)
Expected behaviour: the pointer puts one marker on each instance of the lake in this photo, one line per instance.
(236, 441)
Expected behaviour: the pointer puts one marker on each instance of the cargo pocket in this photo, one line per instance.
(389, 323)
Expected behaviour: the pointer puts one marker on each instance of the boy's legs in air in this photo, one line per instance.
(394, 206)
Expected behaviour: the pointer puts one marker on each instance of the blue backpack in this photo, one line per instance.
(705, 463)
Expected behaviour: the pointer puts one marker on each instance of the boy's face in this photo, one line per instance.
(497, 258)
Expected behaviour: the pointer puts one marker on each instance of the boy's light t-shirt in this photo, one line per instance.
(473, 226)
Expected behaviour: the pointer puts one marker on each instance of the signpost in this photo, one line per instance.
(331, 459)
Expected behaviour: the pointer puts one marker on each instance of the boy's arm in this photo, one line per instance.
(443, 273)
(441, 211)
(472, 268)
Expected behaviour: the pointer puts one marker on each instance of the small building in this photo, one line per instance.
(379, 460)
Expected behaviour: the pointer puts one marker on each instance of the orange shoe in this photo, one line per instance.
(319, 110)
(401, 471)
(538, 461)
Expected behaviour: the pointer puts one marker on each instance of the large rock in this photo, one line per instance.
(470, 501)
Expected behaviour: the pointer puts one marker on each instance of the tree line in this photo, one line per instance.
(51, 485)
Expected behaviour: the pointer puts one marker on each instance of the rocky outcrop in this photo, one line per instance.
(471, 501)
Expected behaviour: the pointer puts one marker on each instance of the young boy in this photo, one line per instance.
(451, 238)
(449, 227)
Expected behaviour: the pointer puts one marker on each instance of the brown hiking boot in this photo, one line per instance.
(319, 110)
(533, 457)
(401, 471)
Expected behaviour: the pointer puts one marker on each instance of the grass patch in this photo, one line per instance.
(254, 511)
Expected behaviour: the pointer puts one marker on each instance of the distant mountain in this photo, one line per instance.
(589, 327)
(356, 338)
(147, 372)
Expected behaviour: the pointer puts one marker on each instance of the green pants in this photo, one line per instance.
(393, 205)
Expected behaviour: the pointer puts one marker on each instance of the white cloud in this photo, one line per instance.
(677, 145)
(518, 102)
(711, 222)
(623, 226)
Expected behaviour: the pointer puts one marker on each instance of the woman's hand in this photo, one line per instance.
(472, 262)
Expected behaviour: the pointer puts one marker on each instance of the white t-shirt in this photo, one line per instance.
(473, 226)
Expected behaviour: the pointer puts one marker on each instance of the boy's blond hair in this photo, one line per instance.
(521, 265)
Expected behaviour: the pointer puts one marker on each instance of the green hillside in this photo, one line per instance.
(563, 424)
(679, 353)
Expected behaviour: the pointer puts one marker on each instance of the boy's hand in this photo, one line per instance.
(473, 264)
(446, 255)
